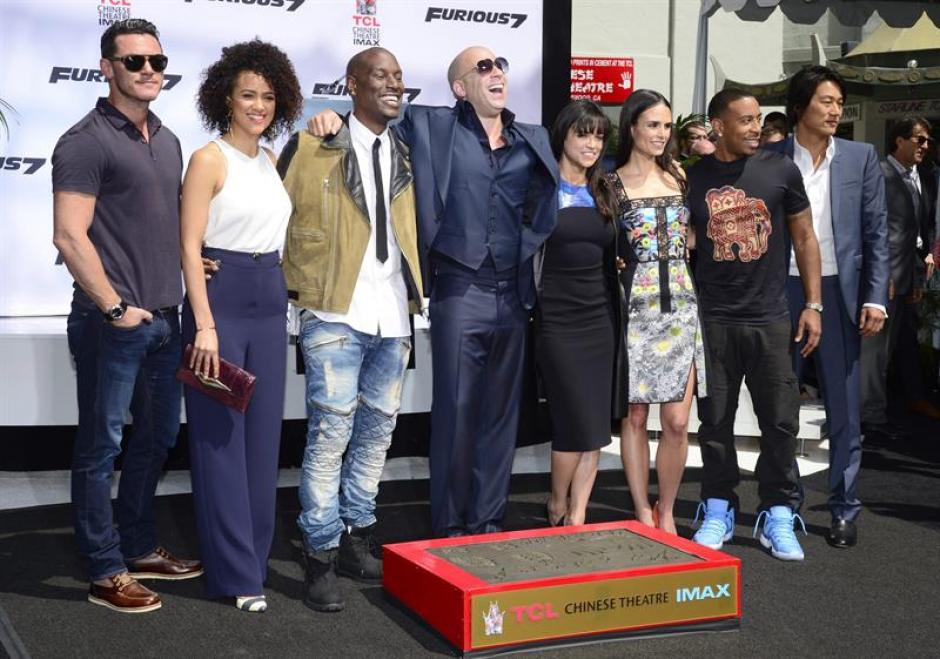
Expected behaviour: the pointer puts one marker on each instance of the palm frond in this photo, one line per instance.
(4, 109)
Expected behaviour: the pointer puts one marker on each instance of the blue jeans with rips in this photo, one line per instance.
(354, 384)
(118, 370)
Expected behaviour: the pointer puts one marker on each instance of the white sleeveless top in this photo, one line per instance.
(250, 212)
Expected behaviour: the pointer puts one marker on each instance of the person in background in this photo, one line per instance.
(116, 183)
(695, 140)
(578, 313)
(664, 350)
(910, 195)
(775, 128)
(235, 212)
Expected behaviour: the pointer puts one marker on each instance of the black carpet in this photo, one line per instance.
(878, 599)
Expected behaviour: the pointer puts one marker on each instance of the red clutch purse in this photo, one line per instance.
(233, 387)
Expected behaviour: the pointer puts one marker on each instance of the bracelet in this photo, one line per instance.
(199, 329)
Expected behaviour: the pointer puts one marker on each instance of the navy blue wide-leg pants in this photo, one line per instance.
(234, 456)
(478, 334)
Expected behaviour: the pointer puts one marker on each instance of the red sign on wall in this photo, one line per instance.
(602, 79)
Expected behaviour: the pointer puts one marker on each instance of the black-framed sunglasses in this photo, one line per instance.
(135, 63)
(921, 139)
(484, 66)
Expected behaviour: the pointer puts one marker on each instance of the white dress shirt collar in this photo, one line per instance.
(379, 304)
(817, 181)
(364, 136)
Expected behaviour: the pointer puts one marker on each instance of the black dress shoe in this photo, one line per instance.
(883, 431)
(842, 533)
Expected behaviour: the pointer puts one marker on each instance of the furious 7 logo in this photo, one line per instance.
(75, 74)
(17, 163)
(292, 5)
(338, 88)
(474, 16)
(736, 219)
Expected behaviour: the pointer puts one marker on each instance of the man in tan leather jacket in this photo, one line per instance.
(351, 262)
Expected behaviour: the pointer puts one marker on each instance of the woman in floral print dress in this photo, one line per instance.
(663, 334)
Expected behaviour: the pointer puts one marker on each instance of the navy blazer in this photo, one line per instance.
(859, 222)
(429, 132)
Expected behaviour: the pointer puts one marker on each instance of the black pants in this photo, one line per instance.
(760, 355)
(890, 362)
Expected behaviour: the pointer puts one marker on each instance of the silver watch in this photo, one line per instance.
(815, 306)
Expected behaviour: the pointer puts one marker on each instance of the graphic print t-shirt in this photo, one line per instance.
(739, 210)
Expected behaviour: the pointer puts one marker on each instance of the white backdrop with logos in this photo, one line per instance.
(49, 54)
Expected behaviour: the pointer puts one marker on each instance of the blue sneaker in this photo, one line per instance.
(717, 525)
(777, 534)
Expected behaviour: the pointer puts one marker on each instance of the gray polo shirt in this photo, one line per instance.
(136, 225)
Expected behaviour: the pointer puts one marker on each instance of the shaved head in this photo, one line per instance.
(361, 62)
(465, 61)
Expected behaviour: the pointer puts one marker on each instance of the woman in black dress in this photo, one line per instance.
(579, 312)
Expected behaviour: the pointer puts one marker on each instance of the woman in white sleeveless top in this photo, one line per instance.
(235, 212)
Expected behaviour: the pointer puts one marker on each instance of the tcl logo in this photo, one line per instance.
(292, 5)
(75, 74)
(534, 612)
(21, 164)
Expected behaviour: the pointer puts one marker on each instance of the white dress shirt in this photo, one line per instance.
(816, 182)
(379, 304)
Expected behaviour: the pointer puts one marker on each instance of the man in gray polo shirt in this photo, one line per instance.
(116, 184)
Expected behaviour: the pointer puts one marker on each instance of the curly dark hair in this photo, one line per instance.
(269, 62)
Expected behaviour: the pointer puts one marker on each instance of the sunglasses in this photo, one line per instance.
(135, 63)
(920, 139)
(484, 66)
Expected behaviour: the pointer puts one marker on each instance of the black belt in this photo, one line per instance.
(165, 310)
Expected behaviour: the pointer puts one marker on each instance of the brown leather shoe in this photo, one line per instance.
(161, 564)
(124, 595)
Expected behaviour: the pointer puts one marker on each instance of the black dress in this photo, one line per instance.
(576, 329)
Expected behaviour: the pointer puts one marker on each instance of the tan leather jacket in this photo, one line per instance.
(329, 226)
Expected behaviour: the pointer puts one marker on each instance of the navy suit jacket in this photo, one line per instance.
(429, 132)
(859, 222)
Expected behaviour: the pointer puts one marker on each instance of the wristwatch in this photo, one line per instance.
(115, 312)
(815, 306)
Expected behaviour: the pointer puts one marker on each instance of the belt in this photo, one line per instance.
(165, 310)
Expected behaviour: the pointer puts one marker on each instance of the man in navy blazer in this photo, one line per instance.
(485, 188)
(845, 185)
(485, 192)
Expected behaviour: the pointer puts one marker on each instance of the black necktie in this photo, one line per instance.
(381, 239)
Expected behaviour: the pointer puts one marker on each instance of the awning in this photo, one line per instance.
(923, 36)
(896, 13)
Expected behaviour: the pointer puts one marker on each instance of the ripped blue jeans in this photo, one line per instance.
(354, 384)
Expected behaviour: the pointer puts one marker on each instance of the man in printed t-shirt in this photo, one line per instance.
(747, 206)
